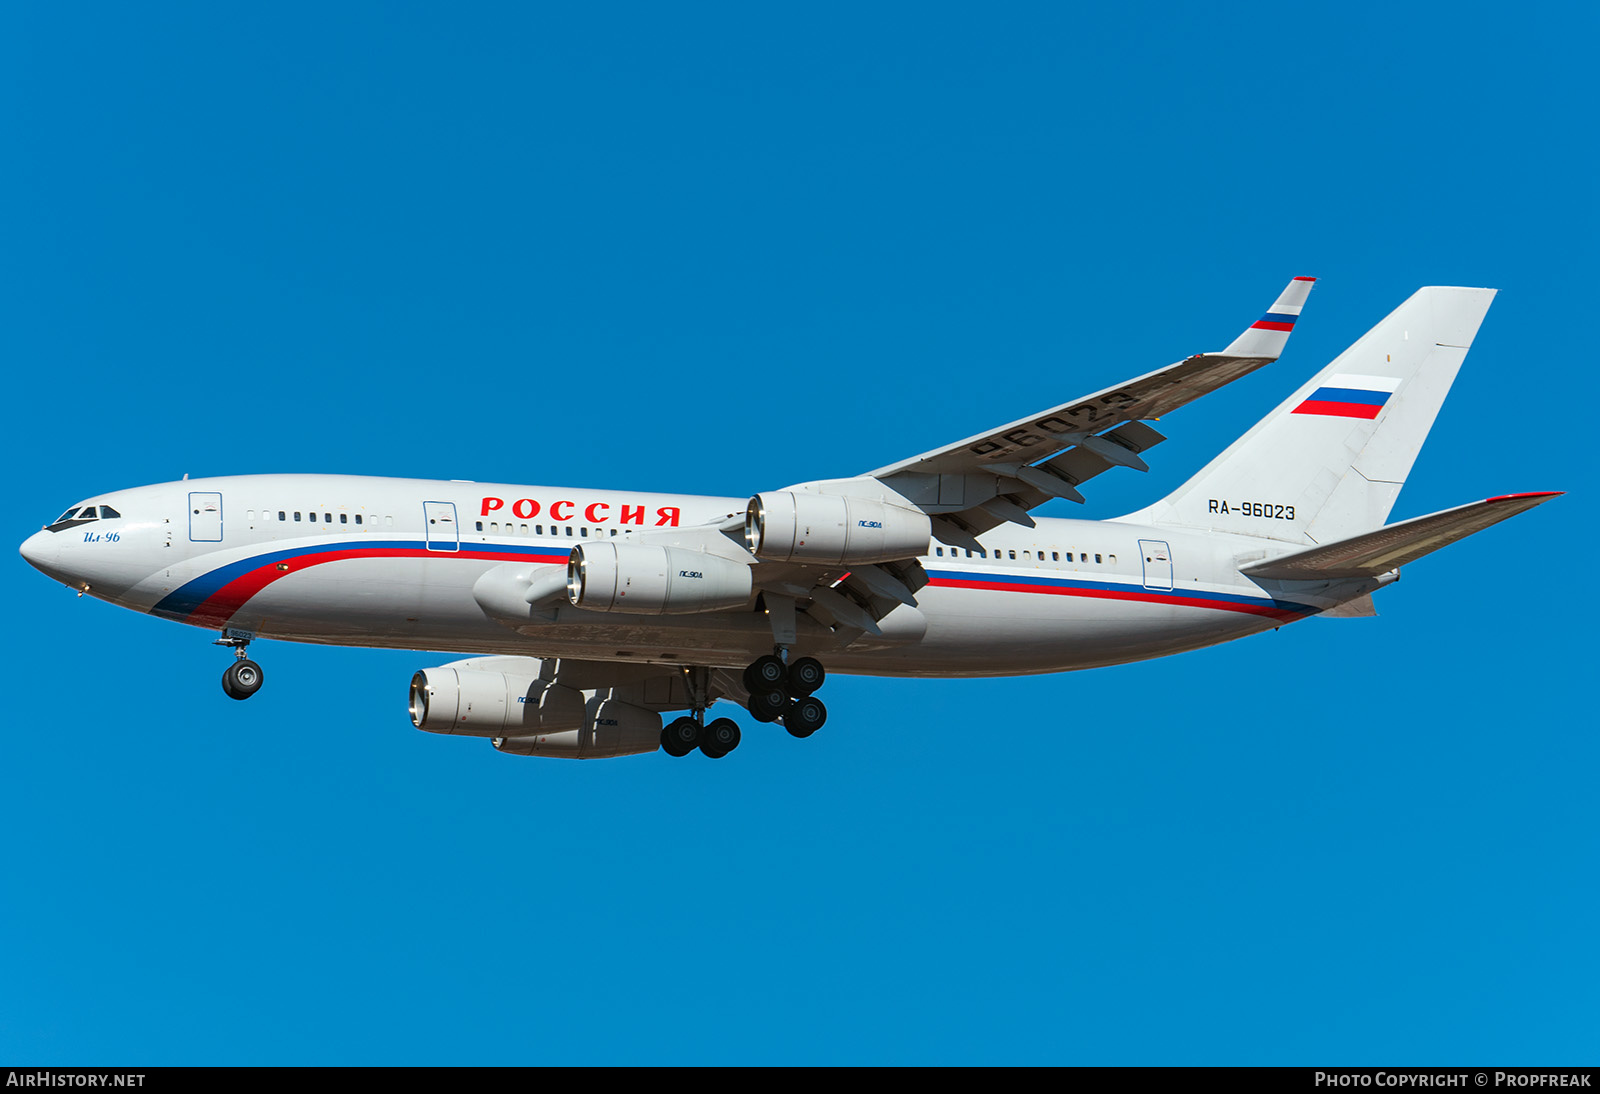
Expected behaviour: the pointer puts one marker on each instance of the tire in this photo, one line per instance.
(768, 705)
(242, 680)
(764, 673)
(805, 717)
(720, 738)
(806, 676)
(680, 737)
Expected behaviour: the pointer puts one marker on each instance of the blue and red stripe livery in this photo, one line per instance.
(1275, 320)
(1111, 590)
(212, 598)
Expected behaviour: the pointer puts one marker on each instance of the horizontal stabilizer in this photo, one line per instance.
(1374, 553)
(1359, 608)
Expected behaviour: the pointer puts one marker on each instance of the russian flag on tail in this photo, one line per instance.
(1347, 396)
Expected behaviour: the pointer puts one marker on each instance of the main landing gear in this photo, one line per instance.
(244, 677)
(777, 691)
(681, 737)
(716, 739)
(784, 691)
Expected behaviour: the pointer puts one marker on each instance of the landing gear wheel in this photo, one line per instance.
(720, 738)
(805, 676)
(768, 704)
(805, 717)
(681, 737)
(764, 673)
(242, 680)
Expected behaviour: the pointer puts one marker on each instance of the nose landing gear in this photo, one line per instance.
(244, 677)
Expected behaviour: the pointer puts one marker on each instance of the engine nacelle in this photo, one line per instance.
(831, 528)
(484, 703)
(641, 579)
(613, 728)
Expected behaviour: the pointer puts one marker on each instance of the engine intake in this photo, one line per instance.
(830, 528)
(641, 579)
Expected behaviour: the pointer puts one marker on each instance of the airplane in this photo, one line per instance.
(588, 614)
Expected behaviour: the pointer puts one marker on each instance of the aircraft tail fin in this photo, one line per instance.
(1374, 553)
(1329, 462)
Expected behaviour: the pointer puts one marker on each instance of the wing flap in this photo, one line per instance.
(1374, 553)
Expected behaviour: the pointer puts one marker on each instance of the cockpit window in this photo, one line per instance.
(78, 514)
(82, 514)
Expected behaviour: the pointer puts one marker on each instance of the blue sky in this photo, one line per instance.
(722, 250)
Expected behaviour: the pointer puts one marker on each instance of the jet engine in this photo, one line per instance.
(478, 702)
(612, 728)
(641, 579)
(831, 528)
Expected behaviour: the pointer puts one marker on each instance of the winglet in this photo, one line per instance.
(1267, 336)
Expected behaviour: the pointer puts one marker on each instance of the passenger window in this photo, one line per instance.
(523, 528)
(327, 518)
(1013, 555)
(939, 551)
(282, 515)
(538, 529)
(613, 531)
(1097, 558)
(297, 515)
(388, 522)
(569, 531)
(585, 532)
(250, 516)
(344, 518)
(1055, 556)
(480, 526)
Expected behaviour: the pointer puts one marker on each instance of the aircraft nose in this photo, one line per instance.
(43, 552)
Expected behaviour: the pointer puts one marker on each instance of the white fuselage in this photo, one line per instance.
(380, 562)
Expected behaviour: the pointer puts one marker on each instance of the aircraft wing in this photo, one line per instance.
(997, 476)
(956, 493)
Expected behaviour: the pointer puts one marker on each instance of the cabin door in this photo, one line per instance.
(1157, 564)
(440, 526)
